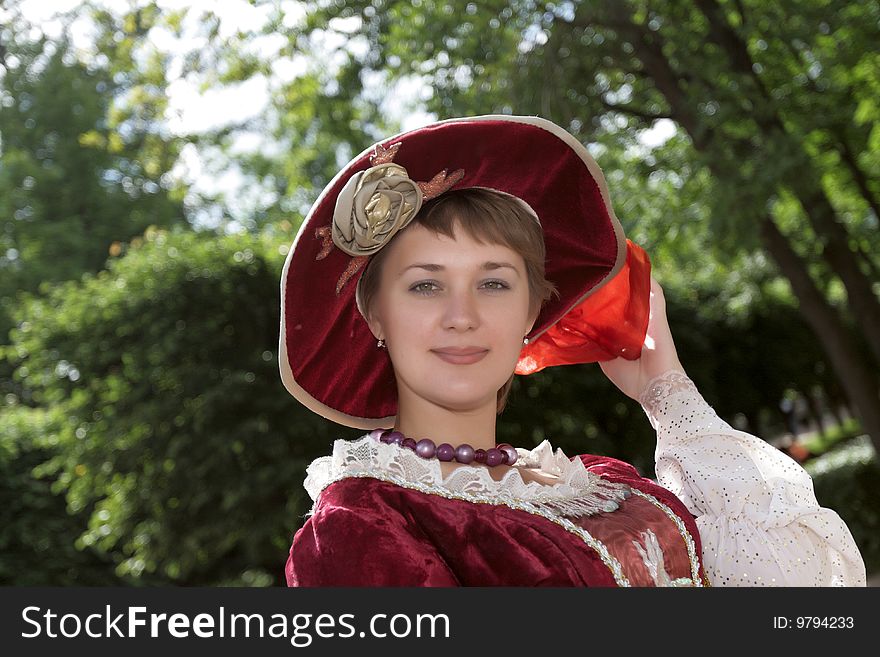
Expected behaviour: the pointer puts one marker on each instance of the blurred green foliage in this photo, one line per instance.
(76, 176)
(156, 394)
(845, 480)
(38, 535)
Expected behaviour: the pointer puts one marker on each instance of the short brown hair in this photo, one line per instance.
(486, 216)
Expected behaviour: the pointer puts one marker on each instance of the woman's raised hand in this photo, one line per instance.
(658, 352)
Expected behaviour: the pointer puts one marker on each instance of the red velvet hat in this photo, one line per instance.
(328, 356)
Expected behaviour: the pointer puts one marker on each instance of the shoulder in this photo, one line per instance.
(359, 535)
(365, 495)
(617, 470)
(351, 507)
(609, 467)
(361, 508)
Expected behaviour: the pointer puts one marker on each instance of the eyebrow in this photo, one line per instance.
(487, 266)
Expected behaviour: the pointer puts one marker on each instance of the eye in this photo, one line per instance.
(416, 288)
(427, 288)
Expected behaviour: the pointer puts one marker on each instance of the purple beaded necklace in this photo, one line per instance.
(502, 454)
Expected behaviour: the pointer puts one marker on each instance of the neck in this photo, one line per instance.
(417, 418)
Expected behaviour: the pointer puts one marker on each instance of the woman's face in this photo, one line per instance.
(438, 293)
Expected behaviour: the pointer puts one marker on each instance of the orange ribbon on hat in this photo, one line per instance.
(585, 333)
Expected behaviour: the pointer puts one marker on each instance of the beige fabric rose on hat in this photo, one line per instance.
(372, 207)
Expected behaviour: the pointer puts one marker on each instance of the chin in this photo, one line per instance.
(460, 405)
(464, 399)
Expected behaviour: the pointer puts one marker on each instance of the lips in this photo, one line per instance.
(460, 351)
(464, 356)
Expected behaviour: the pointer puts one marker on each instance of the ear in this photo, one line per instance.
(376, 328)
(532, 319)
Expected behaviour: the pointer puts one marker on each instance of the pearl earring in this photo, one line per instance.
(525, 340)
(380, 344)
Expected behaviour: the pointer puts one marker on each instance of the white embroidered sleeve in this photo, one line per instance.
(759, 521)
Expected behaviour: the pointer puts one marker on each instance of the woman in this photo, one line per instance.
(410, 300)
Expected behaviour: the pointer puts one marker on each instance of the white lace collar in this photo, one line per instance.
(577, 492)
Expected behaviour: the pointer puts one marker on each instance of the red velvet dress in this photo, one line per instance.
(385, 517)
(728, 509)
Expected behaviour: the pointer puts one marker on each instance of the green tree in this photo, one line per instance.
(158, 389)
(78, 175)
(83, 167)
(37, 534)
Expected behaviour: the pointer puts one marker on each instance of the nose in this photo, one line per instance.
(461, 310)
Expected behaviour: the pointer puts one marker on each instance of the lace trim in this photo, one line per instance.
(661, 387)
(579, 491)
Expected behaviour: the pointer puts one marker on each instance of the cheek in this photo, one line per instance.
(516, 317)
(409, 328)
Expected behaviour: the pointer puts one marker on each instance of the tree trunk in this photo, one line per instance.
(815, 409)
(859, 177)
(856, 379)
(803, 181)
(835, 413)
(837, 253)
